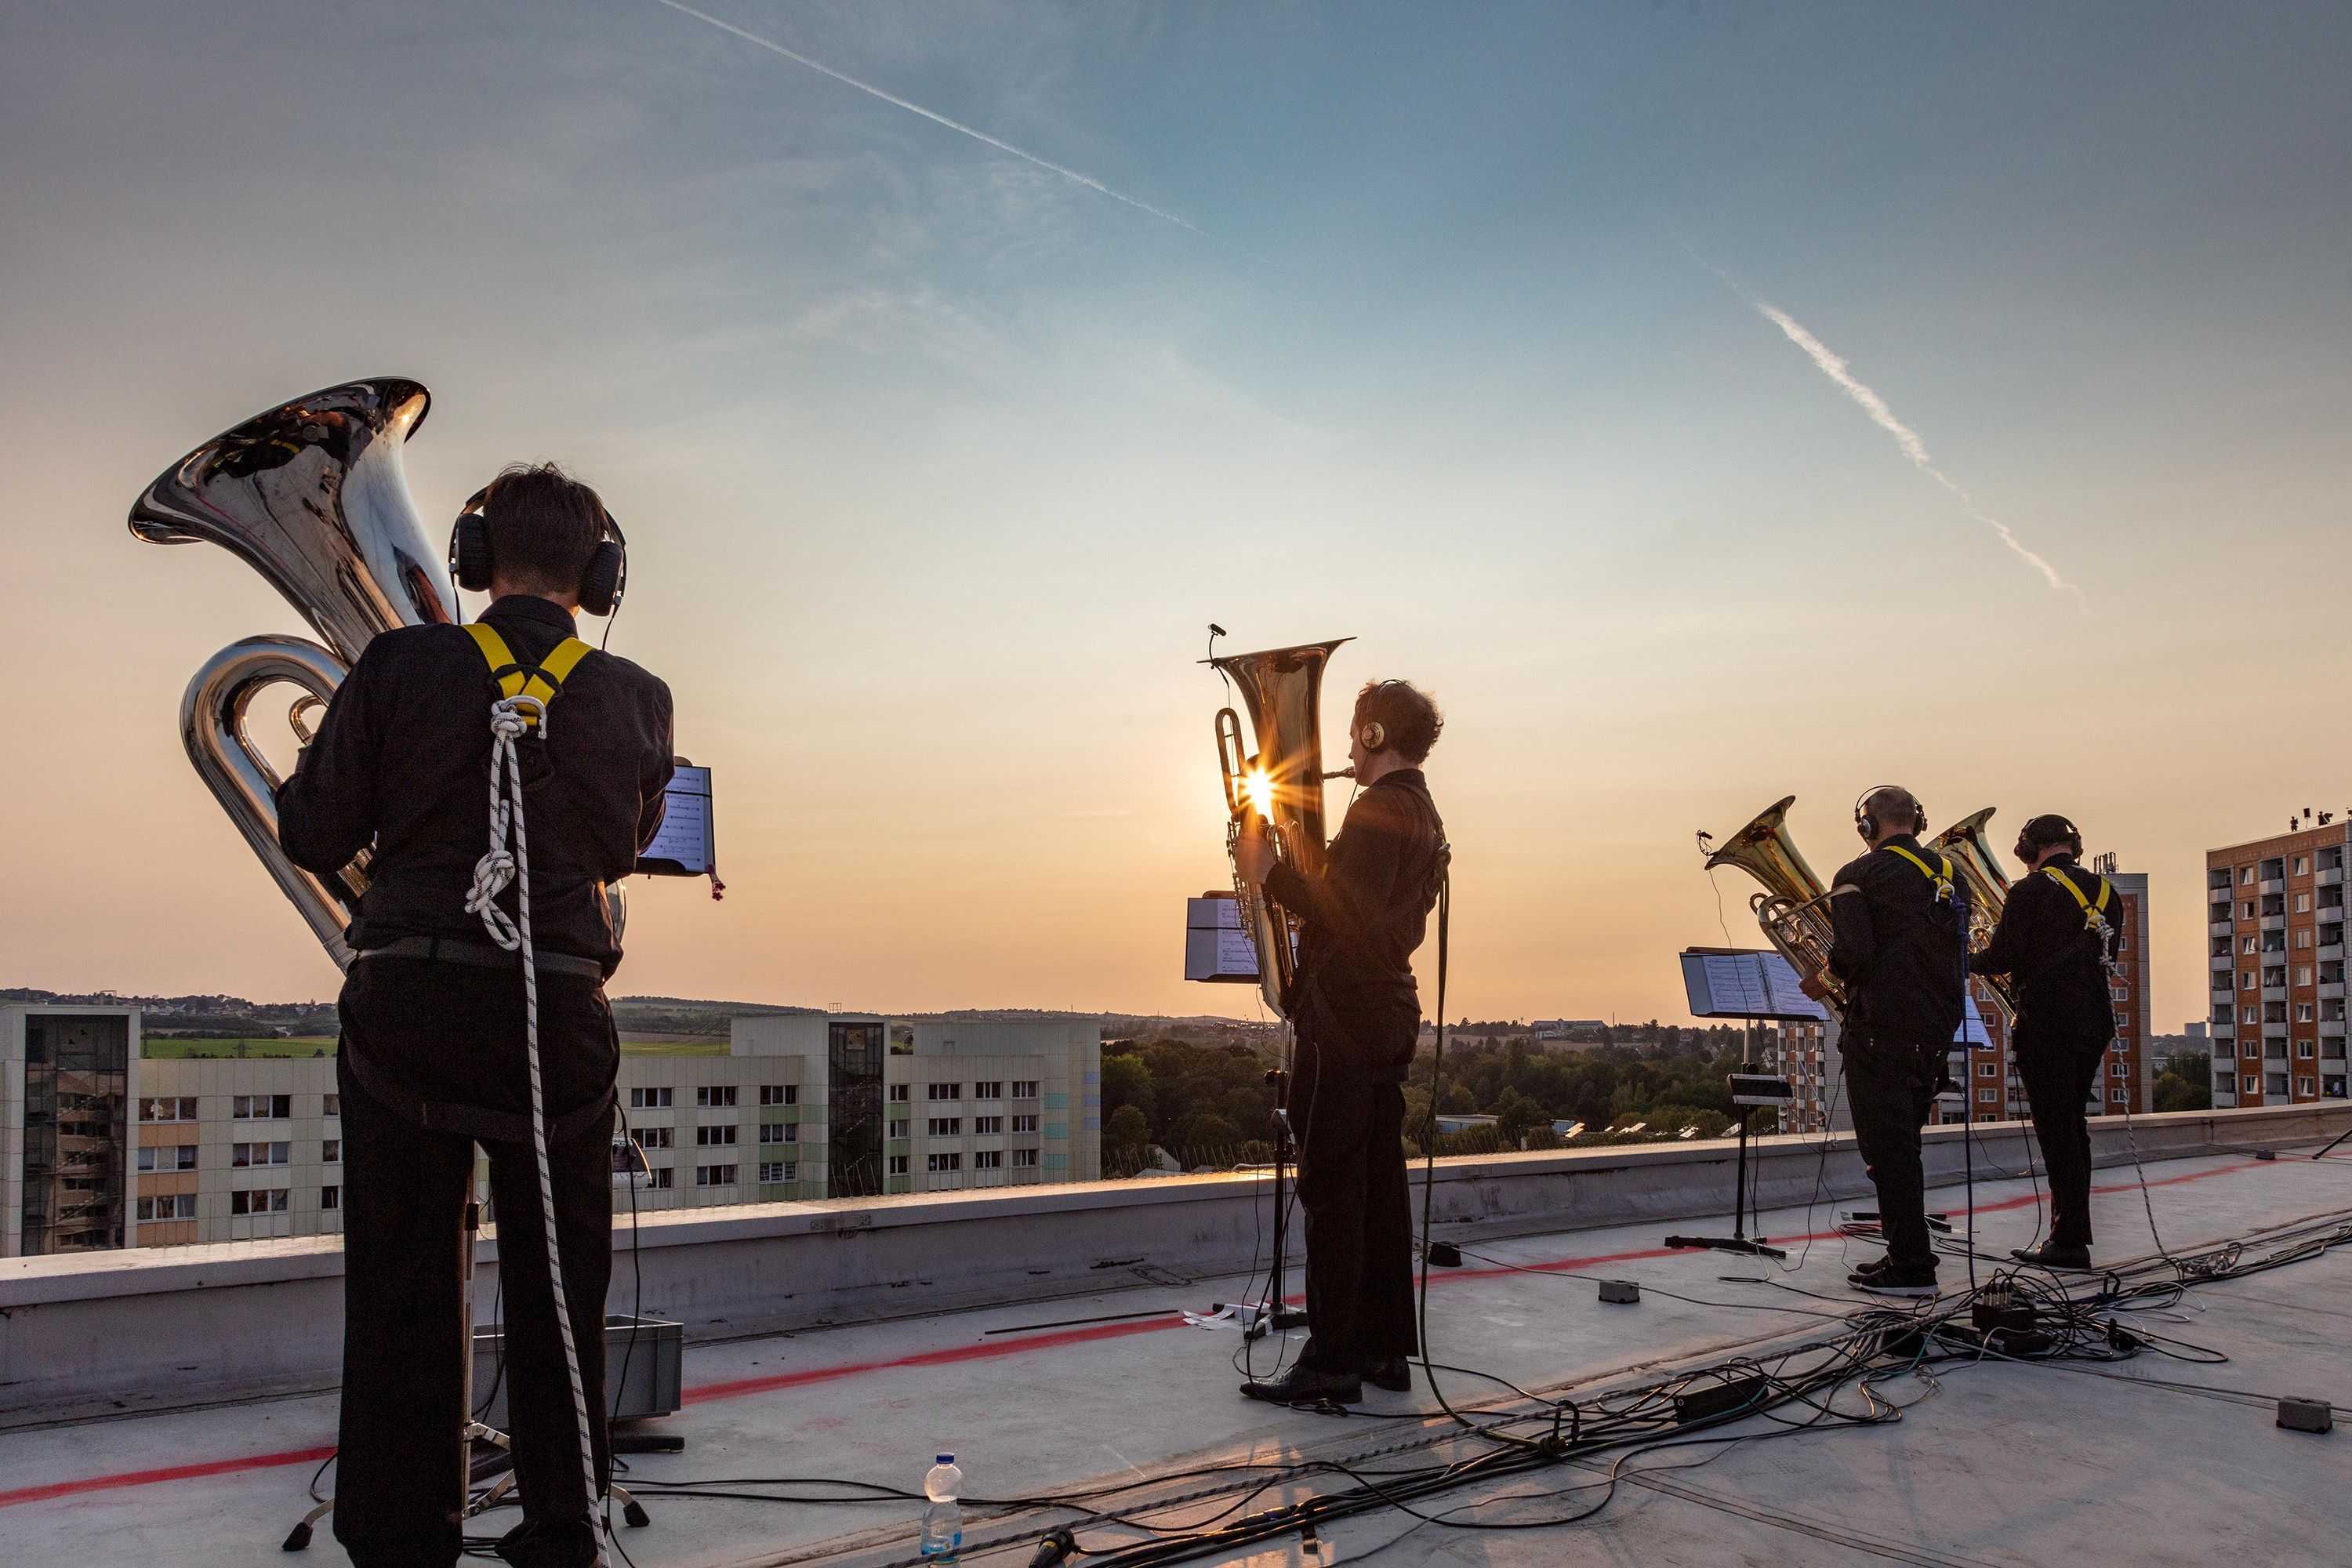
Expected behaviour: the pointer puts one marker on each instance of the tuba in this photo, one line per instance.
(310, 494)
(1280, 784)
(1976, 867)
(1793, 909)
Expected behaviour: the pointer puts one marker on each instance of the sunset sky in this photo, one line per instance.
(1699, 398)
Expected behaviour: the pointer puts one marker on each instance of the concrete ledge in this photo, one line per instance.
(185, 1325)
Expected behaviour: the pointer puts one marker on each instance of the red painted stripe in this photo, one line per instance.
(169, 1473)
(987, 1350)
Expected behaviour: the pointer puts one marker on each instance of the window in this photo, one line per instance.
(898, 1093)
(2303, 1051)
(2245, 980)
(777, 1170)
(1987, 1097)
(2303, 903)
(333, 1198)
(332, 1106)
(988, 1160)
(2119, 1069)
(657, 1137)
(2306, 1086)
(714, 1175)
(261, 1200)
(1024, 1088)
(2302, 864)
(649, 1099)
(713, 1137)
(946, 1127)
(2246, 910)
(174, 1205)
(168, 1157)
(262, 1107)
(2119, 1096)
(2303, 975)
(181, 1110)
(779, 1094)
(718, 1094)
(2121, 993)
(2303, 937)
(943, 1092)
(898, 1129)
(2303, 1011)
(989, 1088)
(243, 1154)
(1025, 1124)
(1025, 1156)
(987, 1126)
(780, 1132)
(663, 1179)
(2253, 1084)
(936, 1164)
(1988, 1069)
(898, 1164)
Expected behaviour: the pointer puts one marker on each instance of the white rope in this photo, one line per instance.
(511, 718)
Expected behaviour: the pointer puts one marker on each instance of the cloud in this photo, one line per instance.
(958, 126)
(1833, 365)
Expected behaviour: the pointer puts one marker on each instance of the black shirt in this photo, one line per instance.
(1904, 958)
(2056, 964)
(1363, 917)
(402, 760)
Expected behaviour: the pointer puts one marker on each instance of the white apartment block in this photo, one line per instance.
(101, 1147)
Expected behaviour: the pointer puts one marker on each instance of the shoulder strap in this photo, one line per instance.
(515, 678)
(2093, 909)
(1940, 874)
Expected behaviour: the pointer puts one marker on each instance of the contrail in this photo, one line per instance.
(1832, 365)
(871, 90)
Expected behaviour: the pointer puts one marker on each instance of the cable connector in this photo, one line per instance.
(1058, 1546)
(2306, 1416)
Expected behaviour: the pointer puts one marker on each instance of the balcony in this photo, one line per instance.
(2331, 988)
(2274, 923)
(2274, 992)
(2331, 878)
(2219, 928)
(2331, 951)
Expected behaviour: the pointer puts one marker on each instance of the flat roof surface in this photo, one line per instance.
(1990, 1463)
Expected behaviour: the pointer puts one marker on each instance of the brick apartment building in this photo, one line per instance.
(2275, 938)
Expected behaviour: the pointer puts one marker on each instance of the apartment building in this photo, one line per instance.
(2275, 937)
(101, 1148)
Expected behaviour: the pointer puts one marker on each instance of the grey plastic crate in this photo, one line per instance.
(647, 1386)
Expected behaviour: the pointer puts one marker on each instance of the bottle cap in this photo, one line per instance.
(947, 1458)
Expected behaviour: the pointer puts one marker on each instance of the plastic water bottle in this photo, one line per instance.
(943, 1520)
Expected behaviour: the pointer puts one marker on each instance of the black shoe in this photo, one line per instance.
(1395, 1374)
(2050, 1255)
(1892, 1279)
(1304, 1385)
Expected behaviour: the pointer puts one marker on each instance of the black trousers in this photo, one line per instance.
(1891, 1085)
(2058, 1072)
(1352, 1186)
(454, 1033)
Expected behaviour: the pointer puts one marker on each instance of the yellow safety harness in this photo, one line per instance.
(1940, 873)
(540, 681)
(2095, 911)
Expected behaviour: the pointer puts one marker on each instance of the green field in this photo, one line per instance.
(324, 1044)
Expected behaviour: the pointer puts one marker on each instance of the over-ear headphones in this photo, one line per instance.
(1865, 821)
(1374, 735)
(601, 583)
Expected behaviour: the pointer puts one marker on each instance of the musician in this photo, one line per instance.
(1901, 953)
(432, 1053)
(1358, 1012)
(2058, 932)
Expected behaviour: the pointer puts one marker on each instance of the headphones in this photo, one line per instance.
(600, 585)
(1371, 732)
(1865, 821)
(2054, 829)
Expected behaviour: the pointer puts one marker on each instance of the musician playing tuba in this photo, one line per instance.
(1358, 1012)
(432, 1058)
(1901, 919)
(2059, 931)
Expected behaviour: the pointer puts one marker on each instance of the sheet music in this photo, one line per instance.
(1217, 946)
(687, 844)
(1761, 985)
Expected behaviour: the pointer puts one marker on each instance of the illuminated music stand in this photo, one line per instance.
(1756, 987)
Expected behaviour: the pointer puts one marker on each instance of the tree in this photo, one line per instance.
(2186, 1083)
(1127, 1080)
(1515, 1113)
(1127, 1129)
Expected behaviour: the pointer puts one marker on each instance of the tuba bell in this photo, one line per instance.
(1794, 908)
(1977, 865)
(310, 494)
(1279, 783)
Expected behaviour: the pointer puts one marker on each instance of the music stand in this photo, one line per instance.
(1755, 987)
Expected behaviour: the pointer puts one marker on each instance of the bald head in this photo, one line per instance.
(1888, 811)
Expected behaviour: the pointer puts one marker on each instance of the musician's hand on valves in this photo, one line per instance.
(1254, 853)
(1815, 985)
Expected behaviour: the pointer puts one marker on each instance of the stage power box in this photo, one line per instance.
(641, 1368)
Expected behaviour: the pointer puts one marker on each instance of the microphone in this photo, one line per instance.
(1056, 1548)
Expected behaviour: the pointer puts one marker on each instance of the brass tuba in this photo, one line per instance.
(311, 495)
(1975, 864)
(1794, 908)
(1281, 783)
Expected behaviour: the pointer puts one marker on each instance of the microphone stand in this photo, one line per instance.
(1273, 1313)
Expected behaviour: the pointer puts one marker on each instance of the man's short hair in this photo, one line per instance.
(544, 526)
(1894, 808)
(2043, 831)
(1409, 720)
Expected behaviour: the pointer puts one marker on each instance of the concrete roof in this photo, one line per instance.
(1993, 1463)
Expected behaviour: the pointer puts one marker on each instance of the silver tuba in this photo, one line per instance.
(1281, 783)
(311, 495)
